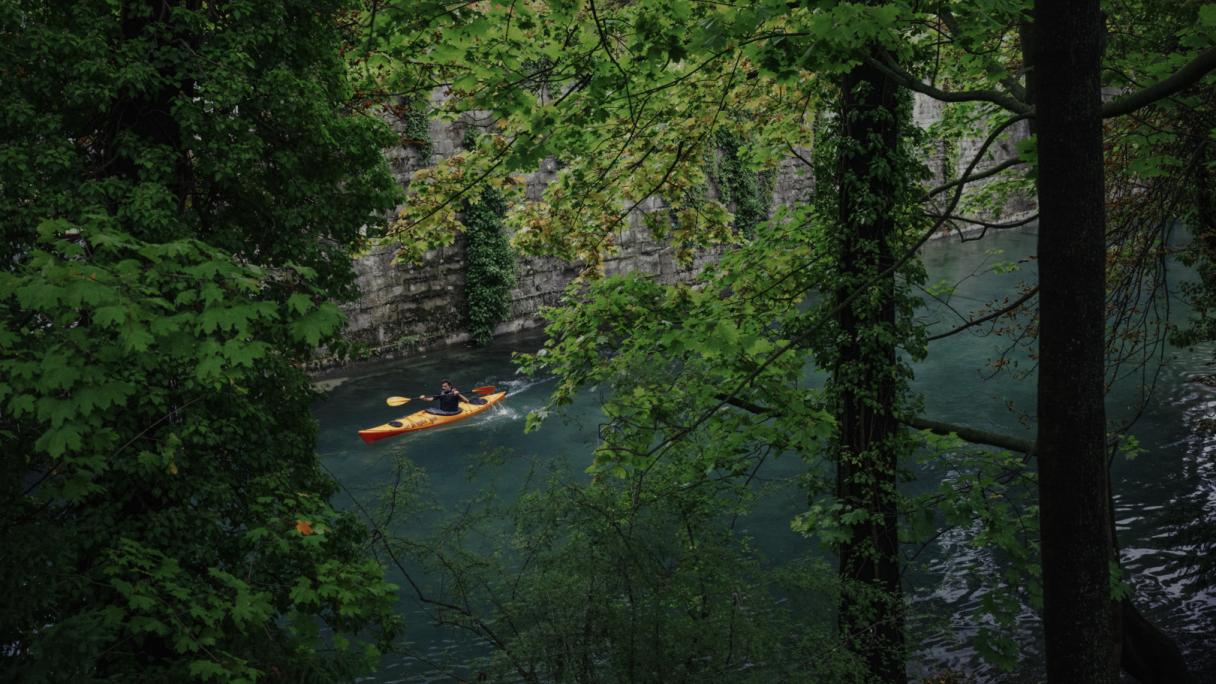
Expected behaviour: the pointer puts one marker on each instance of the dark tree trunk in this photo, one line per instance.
(866, 378)
(1081, 622)
(1149, 654)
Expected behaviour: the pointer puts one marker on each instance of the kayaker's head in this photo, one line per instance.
(446, 386)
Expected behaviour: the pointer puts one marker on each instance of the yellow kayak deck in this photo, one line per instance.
(421, 420)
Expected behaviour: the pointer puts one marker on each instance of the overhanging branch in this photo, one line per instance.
(1187, 76)
(907, 80)
(984, 319)
(990, 171)
(973, 435)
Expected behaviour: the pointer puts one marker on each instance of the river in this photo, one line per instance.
(1165, 498)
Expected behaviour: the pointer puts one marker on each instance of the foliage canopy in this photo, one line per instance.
(183, 185)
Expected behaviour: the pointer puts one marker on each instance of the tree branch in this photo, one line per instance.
(984, 319)
(907, 80)
(990, 171)
(608, 51)
(1188, 75)
(988, 224)
(1185, 77)
(973, 435)
(1010, 83)
(963, 432)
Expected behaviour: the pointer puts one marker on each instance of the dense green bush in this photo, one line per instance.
(182, 187)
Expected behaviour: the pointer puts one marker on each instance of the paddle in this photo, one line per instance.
(401, 401)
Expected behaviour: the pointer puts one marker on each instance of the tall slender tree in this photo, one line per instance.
(865, 374)
(1081, 623)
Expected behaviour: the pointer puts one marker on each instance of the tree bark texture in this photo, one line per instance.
(1081, 622)
(865, 375)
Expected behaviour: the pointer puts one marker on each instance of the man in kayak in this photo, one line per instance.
(449, 400)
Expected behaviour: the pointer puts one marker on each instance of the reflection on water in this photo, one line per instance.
(1166, 510)
(1165, 498)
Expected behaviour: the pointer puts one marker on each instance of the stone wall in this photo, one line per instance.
(925, 112)
(405, 309)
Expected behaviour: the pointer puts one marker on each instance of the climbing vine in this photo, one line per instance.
(416, 132)
(750, 192)
(489, 265)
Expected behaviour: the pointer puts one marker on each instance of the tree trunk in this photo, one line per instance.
(866, 376)
(1081, 622)
(1148, 654)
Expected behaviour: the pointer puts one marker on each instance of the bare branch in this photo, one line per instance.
(989, 224)
(973, 435)
(991, 171)
(992, 316)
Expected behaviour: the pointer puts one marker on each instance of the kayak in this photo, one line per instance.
(421, 420)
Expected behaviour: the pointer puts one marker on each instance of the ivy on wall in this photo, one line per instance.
(749, 192)
(489, 265)
(415, 119)
(489, 259)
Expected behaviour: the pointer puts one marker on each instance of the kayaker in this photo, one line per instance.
(449, 400)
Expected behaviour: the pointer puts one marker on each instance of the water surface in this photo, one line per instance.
(1165, 498)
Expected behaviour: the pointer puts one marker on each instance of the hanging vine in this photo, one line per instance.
(489, 265)
(749, 192)
(489, 259)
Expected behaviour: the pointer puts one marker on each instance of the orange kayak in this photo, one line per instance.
(421, 420)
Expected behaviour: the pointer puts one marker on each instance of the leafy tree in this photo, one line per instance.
(1082, 611)
(637, 579)
(628, 96)
(183, 183)
(870, 191)
(848, 247)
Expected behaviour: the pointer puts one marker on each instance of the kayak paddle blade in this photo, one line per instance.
(397, 401)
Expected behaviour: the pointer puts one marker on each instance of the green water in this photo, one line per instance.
(1161, 497)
